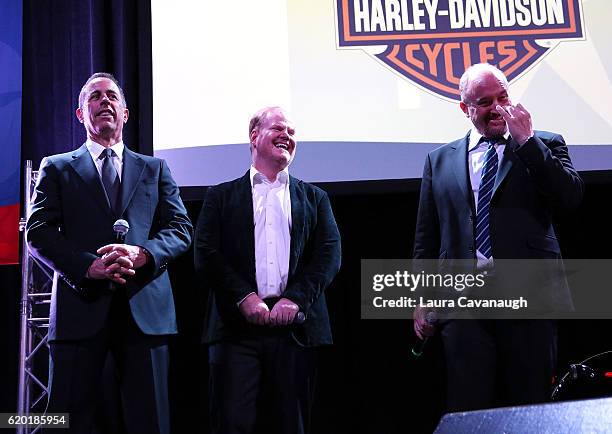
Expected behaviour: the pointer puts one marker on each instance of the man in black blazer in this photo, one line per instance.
(490, 196)
(108, 296)
(266, 246)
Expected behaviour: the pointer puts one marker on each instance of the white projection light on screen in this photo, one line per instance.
(368, 102)
(213, 67)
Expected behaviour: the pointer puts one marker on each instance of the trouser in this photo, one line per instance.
(498, 362)
(265, 381)
(141, 362)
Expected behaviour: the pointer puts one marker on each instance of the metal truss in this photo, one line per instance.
(36, 283)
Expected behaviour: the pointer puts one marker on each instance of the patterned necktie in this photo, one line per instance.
(110, 178)
(485, 191)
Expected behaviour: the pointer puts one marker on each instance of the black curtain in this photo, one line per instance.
(10, 291)
(64, 42)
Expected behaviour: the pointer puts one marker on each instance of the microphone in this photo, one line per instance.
(121, 228)
(299, 318)
(431, 318)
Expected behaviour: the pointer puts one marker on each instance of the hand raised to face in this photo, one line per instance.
(518, 120)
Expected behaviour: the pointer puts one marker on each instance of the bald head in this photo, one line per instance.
(483, 88)
(476, 73)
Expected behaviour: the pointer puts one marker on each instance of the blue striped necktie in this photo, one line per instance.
(485, 191)
(110, 178)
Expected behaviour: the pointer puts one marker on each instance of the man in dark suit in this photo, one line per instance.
(490, 196)
(108, 296)
(266, 246)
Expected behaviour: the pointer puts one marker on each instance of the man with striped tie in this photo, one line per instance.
(485, 197)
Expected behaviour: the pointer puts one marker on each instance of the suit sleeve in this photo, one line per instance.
(45, 231)
(305, 287)
(211, 266)
(427, 233)
(173, 236)
(551, 168)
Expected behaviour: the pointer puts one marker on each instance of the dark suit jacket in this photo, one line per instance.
(225, 258)
(71, 218)
(532, 181)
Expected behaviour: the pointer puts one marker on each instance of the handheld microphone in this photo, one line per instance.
(121, 228)
(299, 318)
(431, 318)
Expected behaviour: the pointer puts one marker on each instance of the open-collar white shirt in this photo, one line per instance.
(272, 218)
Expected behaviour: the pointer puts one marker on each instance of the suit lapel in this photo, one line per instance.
(460, 163)
(133, 167)
(504, 165)
(297, 221)
(244, 205)
(84, 166)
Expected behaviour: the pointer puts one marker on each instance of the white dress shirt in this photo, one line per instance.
(272, 218)
(96, 149)
(476, 159)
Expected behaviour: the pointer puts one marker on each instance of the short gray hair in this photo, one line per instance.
(111, 77)
(474, 70)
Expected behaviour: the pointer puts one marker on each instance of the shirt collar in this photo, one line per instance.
(475, 137)
(257, 177)
(95, 149)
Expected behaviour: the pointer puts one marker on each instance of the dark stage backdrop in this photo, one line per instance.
(368, 381)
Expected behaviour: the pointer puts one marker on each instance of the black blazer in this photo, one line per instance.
(532, 182)
(71, 218)
(225, 258)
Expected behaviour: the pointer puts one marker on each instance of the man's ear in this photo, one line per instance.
(464, 107)
(252, 137)
(126, 115)
(79, 114)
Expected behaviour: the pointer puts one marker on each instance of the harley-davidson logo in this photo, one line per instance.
(432, 42)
